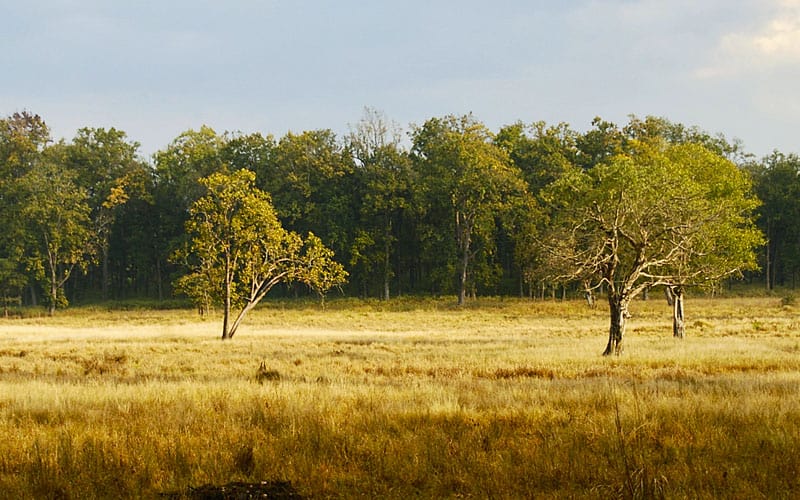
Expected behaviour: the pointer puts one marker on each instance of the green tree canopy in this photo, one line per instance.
(57, 234)
(465, 182)
(239, 251)
(663, 214)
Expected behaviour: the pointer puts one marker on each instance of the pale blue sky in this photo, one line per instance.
(155, 68)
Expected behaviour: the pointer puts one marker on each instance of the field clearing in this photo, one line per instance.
(412, 398)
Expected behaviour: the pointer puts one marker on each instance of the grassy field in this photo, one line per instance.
(414, 398)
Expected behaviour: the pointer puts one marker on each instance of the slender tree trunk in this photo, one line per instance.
(51, 310)
(226, 334)
(104, 273)
(465, 248)
(226, 313)
(767, 259)
(159, 286)
(239, 317)
(34, 299)
(387, 261)
(669, 295)
(387, 267)
(588, 293)
(678, 321)
(618, 308)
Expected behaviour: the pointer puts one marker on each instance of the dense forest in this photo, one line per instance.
(447, 207)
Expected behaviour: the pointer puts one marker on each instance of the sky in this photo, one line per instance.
(156, 68)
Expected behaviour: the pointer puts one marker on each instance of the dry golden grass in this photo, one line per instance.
(505, 399)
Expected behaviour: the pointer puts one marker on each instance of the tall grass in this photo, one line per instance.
(507, 399)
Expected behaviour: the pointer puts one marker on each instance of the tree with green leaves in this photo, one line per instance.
(465, 182)
(194, 154)
(108, 168)
(382, 174)
(310, 178)
(777, 183)
(661, 214)
(239, 251)
(23, 139)
(542, 153)
(56, 236)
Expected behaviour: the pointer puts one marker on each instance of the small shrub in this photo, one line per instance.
(264, 375)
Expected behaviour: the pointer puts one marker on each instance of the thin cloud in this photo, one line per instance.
(771, 45)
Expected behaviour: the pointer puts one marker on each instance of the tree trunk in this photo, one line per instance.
(387, 262)
(51, 309)
(678, 321)
(227, 308)
(462, 289)
(159, 285)
(104, 273)
(767, 258)
(618, 308)
(669, 295)
(588, 294)
(53, 286)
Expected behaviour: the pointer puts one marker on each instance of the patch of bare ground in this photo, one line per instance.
(274, 490)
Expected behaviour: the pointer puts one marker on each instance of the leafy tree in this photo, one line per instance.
(674, 215)
(194, 154)
(318, 269)
(57, 235)
(239, 251)
(464, 182)
(108, 168)
(602, 142)
(23, 138)
(12, 281)
(310, 178)
(382, 172)
(542, 154)
(777, 183)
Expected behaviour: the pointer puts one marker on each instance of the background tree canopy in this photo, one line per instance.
(448, 208)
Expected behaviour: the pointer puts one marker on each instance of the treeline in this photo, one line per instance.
(449, 207)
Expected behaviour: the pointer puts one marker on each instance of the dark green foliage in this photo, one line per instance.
(450, 208)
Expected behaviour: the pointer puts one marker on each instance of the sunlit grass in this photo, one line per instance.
(505, 399)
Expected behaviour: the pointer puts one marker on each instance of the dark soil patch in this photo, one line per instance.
(275, 490)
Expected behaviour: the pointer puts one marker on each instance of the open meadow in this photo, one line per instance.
(411, 398)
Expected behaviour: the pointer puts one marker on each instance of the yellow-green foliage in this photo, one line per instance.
(503, 399)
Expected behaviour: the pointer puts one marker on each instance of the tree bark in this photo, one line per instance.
(387, 261)
(462, 289)
(669, 295)
(678, 321)
(588, 294)
(104, 272)
(386, 269)
(618, 308)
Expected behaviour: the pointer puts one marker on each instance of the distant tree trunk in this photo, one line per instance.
(387, 267)
(766, 258)
(464, 230)
(226, 315)
(227, 299)
(159, 284)
(588, 293)
(678, 321)
(51, 309)
(618, 308)
(104, 272)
